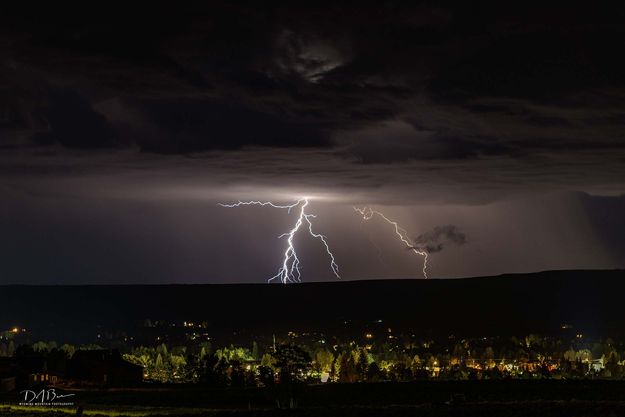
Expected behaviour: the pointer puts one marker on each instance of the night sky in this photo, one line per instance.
(495, 135)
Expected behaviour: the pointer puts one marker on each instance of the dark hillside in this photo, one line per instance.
(593, 301)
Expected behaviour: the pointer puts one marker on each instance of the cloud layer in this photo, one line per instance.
(381, 83)
(443, 114)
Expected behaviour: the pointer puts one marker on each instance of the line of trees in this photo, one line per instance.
(238, 366)
(528, 357)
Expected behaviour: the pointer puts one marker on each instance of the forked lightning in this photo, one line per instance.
(367, 213)
(289, 271)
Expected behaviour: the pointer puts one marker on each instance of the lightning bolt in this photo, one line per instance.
(367, 213)
(289, 271)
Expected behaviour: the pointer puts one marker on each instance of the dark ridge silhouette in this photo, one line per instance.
(516, 304)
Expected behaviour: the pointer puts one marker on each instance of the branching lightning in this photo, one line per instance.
(289, 271)
(367, 213)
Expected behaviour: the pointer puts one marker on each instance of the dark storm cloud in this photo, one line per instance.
(72, 122)
(515, 95)
(439, 237)
(196, 125)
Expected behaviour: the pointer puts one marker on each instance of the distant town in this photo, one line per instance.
(548, 326)
(168, 352)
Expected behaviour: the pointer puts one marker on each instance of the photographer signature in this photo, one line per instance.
(44, 396)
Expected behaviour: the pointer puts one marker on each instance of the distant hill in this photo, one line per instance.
(592, 301)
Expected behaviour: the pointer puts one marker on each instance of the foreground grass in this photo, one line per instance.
(538, 409)
(428, 399)
(21, 410)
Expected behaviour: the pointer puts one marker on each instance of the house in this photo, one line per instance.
(26, 372)
(103, 367)
(42, 377)
(7, 383)
(8, 366)
(8, 374)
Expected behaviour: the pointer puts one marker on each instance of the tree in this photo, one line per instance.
(237, 374)
(69, 350)
(362, 363)
(489, 355)
(40, 347)
(493, 373)
(158, 365)
(90, 347)
(143, 360)
(349, 371)
(416, 365)
(292, 362)
(162, 349)
(255, 353)
(267, 360)
(205, 347)
(323, 360)
(265, 375)
(178, 364)
(612, 367)
(161, 369)
(569, 355)
(23, 350)
(211, 370)
(583, 355)
(374, 374)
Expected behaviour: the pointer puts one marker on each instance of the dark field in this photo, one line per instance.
(479, 398)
